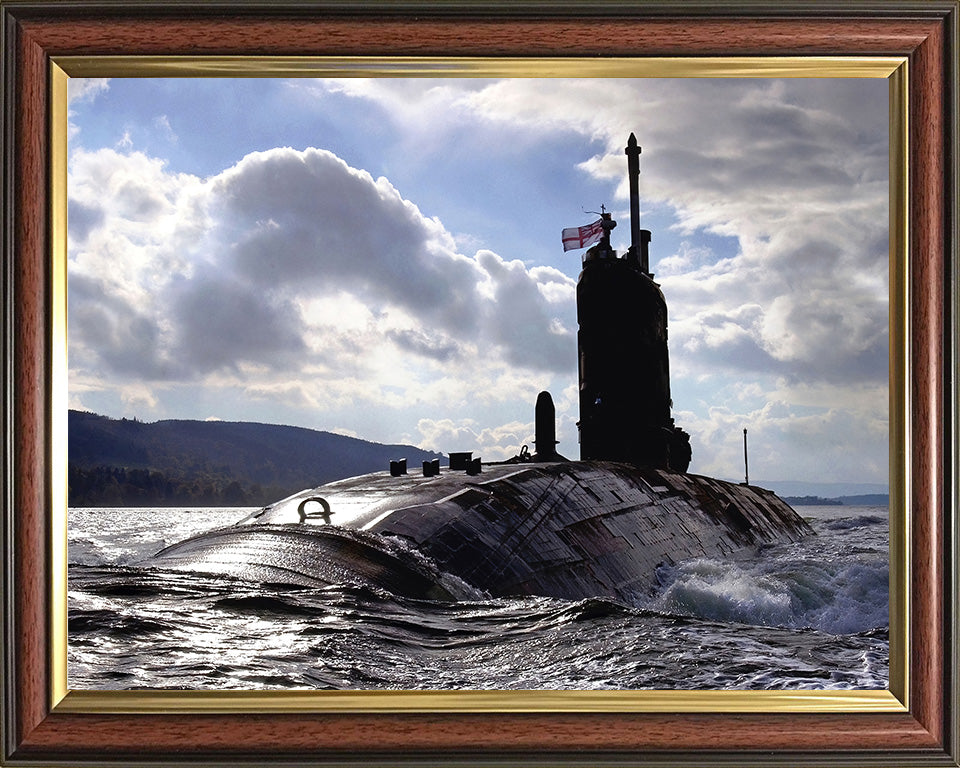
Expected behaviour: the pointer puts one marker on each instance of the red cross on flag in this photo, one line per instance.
(581, 237)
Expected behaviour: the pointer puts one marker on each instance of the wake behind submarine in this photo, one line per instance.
(538, 524)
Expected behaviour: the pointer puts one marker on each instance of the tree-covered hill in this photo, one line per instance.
(125, 462)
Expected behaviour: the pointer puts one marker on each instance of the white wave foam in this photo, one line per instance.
(84, 552)
(832, 597)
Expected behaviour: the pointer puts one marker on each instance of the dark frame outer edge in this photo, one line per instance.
(951, 480)
(951, 340)
(7, 580)
(503, 8)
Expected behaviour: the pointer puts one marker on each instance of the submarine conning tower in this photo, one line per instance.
(624, 365)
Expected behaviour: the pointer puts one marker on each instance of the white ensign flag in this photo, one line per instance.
(581, 237)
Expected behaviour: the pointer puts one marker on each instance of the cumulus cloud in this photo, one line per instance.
(489, 443)
(299, 278)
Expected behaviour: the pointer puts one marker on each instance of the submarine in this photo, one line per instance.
(538, 524)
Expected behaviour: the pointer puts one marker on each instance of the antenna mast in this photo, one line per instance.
(633, 173)
(746, 466)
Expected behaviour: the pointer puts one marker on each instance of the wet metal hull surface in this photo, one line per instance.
(565, 529)
(306, 556)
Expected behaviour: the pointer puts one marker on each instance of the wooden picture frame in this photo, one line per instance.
(41, 728)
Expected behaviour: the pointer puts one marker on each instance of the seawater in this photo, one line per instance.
(808, 615)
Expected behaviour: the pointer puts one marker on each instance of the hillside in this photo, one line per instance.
(129, 462)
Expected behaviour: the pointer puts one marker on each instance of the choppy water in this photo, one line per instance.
(808, 615)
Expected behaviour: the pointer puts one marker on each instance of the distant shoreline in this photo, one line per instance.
(861, 500)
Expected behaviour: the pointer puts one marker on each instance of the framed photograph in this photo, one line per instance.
(487, 57)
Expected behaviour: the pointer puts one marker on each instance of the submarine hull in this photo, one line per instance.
(566, 529)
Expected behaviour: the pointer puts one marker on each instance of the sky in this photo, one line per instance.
(382, 257)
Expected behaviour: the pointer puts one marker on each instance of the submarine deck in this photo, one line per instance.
(357, 502)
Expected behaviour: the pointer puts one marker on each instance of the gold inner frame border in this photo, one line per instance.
(893, 699)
